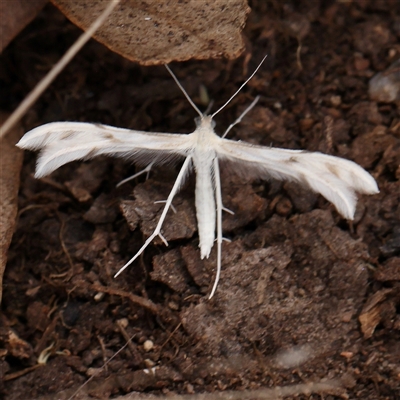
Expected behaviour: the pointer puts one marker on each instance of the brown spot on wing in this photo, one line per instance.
(92, 153)
(303, 179)
(333, 169)
(68, 135)
(110, 137)
(106, 135)
(291, 160)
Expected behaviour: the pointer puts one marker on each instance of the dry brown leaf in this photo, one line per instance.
(371, 314)
(10, 167)
(157, 32)
(15, 15)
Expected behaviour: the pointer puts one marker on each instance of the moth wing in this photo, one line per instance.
(335, 178)
(63, 142)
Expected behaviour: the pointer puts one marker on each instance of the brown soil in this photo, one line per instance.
(304, 295)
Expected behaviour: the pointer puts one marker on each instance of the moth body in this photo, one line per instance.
(203, 161)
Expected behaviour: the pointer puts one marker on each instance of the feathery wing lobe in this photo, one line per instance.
(335, 178)
(62, 142)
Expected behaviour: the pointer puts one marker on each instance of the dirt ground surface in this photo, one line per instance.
(304, 297)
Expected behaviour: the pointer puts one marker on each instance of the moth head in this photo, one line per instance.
(205, 120)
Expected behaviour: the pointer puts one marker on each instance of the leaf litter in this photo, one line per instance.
(10, 169)
(152, 32)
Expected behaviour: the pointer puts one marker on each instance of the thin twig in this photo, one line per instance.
(101, 369)
(63, 246)
(171, 334)
(147, 304)
(52, 74)
(132, 347)
(18, 374)
(333, 387)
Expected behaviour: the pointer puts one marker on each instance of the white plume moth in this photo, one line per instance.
(335, 178)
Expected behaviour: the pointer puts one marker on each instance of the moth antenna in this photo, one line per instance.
(183, 91)
(241, 87)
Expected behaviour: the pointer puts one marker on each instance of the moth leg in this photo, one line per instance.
(164, 201)
(228, 210)
(238, 120)
(218, 197)
(157, 231)
(161, 236)
(146, 170)
(224, 239)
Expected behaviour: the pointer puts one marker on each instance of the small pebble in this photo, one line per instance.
(336, 101)
(173, 306)
(149, 363)
(148, 345)
(284, 207)
(99, 296)
(93, 371)
(190, 388)
(385, 86)
(123, 322)
(347, 354)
